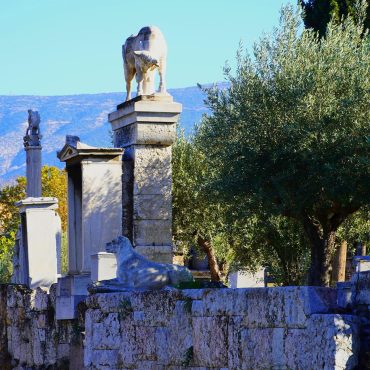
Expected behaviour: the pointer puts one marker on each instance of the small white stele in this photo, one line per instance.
(103, 266)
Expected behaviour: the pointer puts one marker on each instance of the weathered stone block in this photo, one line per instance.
(287, 306)
(175, 341)
(106, 334)
(152, 232)
(262, 348)
(226, 302)
(128, 347)
(105, 357)
(210, 341)
(335, 335)
(152, 171)
(152, 207)
(361, 288)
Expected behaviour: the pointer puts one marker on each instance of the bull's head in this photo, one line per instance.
(145, 60)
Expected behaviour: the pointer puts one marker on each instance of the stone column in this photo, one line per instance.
(32, 146)
(33, 171)
(146, 128)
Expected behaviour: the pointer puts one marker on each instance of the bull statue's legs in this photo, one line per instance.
(162, 76)
(148, 85)
(129, 75)
(139, 80)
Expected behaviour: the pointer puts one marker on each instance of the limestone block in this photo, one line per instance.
(152, 232)
(152, 207)
(174, 341)
(128, 348)
(66, 307)
(210, 341)
(145, 343)
(335, 335)
(106, 333)
(225, 302)
(39, 299)
(235, 327)
(344, 294)
(88, 337)
(287, 306)
(105, 357)
(361, 288)
(262, 348)
(145, 133)
(154, 109)
(152, 172)
(156, 253)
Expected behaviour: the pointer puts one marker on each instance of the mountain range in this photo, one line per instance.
(84, 115)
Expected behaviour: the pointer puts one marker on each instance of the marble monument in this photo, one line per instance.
(142, 55)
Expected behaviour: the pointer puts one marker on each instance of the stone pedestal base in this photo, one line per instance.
(71, 290)
(146, 128)
(35, 263)
(103, 266)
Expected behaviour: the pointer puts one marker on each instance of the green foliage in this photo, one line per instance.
(318, 13)
(356, 228)
(242, 243)
(9, 220)
(193, 213)
(289, 136)
(54, 184)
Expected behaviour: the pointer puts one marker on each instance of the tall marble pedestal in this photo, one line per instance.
(146, 128)
(39, 244)
(33, 170)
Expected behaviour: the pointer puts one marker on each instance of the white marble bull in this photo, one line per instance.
(142, 54)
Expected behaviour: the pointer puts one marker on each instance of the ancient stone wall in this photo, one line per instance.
(34, 338)
(282, 328)
(260, 328)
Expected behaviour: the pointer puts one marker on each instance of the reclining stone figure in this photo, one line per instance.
(142, 54)
(135, 271)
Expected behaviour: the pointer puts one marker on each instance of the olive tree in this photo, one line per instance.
(290, 135)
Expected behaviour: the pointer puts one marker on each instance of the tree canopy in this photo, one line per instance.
(318, 13)
(290, 135)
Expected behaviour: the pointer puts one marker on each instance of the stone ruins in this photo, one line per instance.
(120, 305)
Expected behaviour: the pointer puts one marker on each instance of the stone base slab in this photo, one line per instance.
(103, 266)
(70, 291)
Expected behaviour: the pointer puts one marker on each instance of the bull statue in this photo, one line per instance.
(142, 55)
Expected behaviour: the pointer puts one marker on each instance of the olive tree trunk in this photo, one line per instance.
(322, 244)
(214, 268)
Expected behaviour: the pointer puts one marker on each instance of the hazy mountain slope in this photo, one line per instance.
(81, 115)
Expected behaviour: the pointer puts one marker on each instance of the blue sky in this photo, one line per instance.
(57, 47)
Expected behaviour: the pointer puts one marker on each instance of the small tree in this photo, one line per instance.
(291, 134)
(196, 221)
